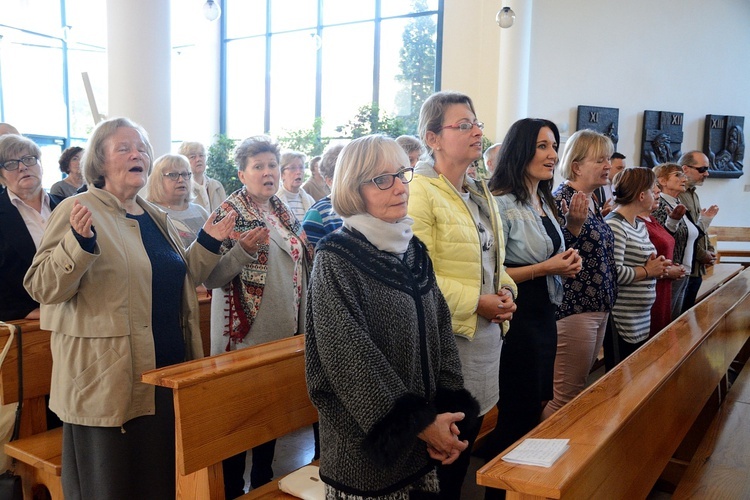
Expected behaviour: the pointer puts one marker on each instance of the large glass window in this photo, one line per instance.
(326, 60)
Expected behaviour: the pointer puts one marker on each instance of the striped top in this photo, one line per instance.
(632, 310)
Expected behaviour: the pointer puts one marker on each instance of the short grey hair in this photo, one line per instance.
(359, 162)
(328, 161)
(583, 144)
(188, 148)
(410, 144)
(94, 157)
(288, 157)
(155, 192)
(13, 146)
(253, 146)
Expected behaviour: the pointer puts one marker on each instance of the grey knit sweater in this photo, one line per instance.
(381, 363)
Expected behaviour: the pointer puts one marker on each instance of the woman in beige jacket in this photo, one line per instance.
(112, 317)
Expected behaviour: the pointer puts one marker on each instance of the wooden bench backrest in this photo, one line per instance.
(625, 427)
(37, 364)
(726, 233)
(234, 401)
(37, 375)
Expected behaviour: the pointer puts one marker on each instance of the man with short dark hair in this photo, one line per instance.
(695, 167)
(603, 194)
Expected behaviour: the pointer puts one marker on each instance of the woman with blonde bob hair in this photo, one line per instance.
(381, 362)
(588, 296)
(169, 187)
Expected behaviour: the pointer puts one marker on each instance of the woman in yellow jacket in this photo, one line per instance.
(458, 220)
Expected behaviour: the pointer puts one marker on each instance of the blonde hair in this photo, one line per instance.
(155, 192)
(581, 145)
(359, 162)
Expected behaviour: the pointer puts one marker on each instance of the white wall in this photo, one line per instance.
(686, 56)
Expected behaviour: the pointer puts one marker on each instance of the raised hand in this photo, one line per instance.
(575, 214)
(81, 220)
(220, 230)
(677, 212)
(710, 211)
(251, 240)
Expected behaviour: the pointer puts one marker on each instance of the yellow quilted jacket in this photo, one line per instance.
(444, 223)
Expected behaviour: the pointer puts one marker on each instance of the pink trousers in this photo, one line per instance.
(579, 339)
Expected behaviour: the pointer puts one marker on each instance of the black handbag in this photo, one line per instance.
(10, 483)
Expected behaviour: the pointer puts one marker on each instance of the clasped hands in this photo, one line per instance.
(497, 307)
(442, 440)
(657, 267)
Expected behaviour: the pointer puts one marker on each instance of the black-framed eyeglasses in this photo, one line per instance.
(28, 160)
(176, 175)
(701, 170)
(386, 181)
(465, 126)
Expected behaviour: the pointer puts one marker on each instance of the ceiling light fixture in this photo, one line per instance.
(211, 10)
(505, 17)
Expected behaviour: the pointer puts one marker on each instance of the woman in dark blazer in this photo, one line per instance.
(24, 210)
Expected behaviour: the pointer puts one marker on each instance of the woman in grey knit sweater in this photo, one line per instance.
(382, 364)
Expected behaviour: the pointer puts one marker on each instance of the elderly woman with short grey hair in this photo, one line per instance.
(25, 209)
(261, 281)
(117, 290)
(382, 365)
(292, 168)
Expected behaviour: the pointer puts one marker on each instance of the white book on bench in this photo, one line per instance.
(304, 483)
(541, 452)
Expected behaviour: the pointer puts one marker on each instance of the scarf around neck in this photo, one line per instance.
(245, 291)
(392, 237)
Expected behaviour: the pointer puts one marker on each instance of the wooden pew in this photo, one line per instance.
(38, 451)
(625, 428)
(715, 276)
(738, 239)
(229, 403)
(721, 465)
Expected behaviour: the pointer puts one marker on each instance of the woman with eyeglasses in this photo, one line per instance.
(209, 193)
(381, 361)
(25, 208)
(537, 260)
(458, 220)
(292, 167)
(677, 221)
(169, 187)
(261, 282)
(117, 290)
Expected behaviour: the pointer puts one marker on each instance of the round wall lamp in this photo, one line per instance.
(505, 17)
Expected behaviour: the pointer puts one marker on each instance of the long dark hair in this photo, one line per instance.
(517, 151)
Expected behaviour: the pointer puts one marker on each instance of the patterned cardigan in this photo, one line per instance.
(381, 363)
(680, 235)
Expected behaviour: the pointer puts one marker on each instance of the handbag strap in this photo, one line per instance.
(15, 330)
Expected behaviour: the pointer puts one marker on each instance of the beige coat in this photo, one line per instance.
(98, 308)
